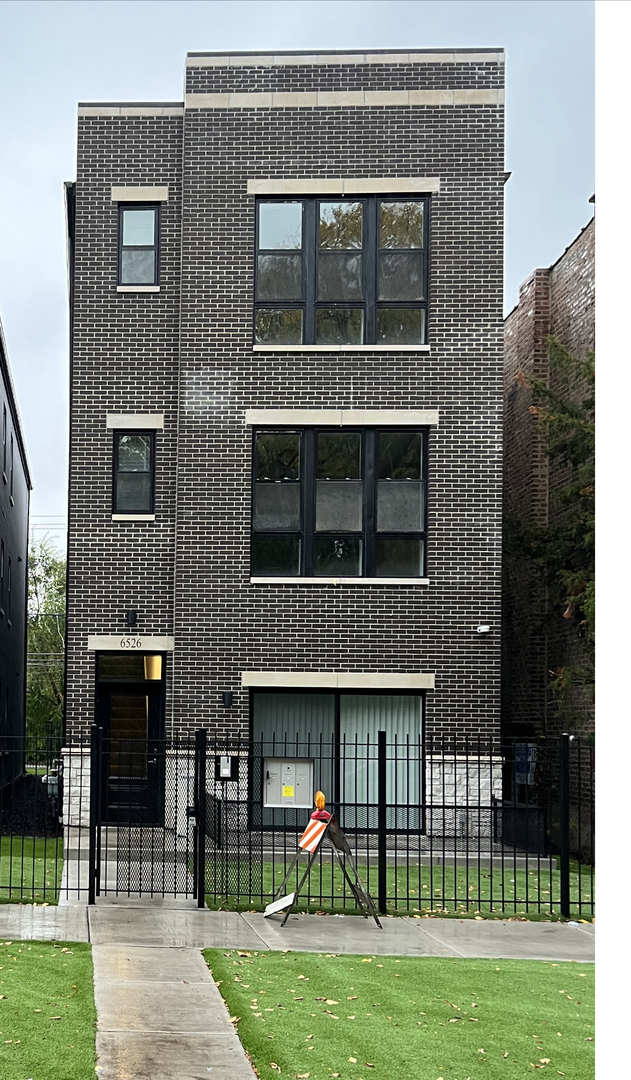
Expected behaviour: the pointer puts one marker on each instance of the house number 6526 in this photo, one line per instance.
(131, 643)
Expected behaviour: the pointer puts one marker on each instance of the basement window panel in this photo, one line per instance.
(134, 454)
(138, 245)
(331, 503)
(344, 272)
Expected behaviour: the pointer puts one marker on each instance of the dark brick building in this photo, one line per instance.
(15, 487)
(286, 399)
(559, 301)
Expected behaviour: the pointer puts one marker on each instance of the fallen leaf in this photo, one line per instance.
(544, 1061)
(244, 954)
(353, 1060)
(369, 1064)
(330, 1001)
(302, 1076)
(234, 1019)
(366, 961)
(351, 1017)
(309, 1038)
(273, 1065)
(54, 1017)
(352, 997)
(506, 1054)
(473, 1018)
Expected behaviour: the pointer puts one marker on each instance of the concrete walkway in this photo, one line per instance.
(160, 1015)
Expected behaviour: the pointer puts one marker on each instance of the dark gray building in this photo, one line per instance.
(15, 487)
(286, 401)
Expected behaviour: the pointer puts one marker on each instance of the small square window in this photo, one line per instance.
(134, 470)
(138, 245)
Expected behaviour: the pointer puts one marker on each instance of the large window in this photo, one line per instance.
(331, 503)
(343, 272)
(133, 472)
(138, 245)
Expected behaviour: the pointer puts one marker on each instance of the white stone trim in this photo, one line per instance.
(338, 581)
(341, 348)
(130, 110)
(344, 417)
(244, 59)
(138, 288)
(133, 517)
(368, 185)
(129, 421)
(130, 643)
(373, 680)
(344, 99)
(159, 193)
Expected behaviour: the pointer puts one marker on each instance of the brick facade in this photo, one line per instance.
(187, 352)
(556, 301)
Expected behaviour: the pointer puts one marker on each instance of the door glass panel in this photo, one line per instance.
(128, 735)
(340, 277)
(341, 224)
(280, 225)
(362, 716)
(339, 505)
(276, 506)
(399, 506)
(401, 225)
(337, 556)
(339, 326)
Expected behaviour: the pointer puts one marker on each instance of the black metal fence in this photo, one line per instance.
(434, 826)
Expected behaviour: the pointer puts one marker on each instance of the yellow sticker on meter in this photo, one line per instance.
(288, 792)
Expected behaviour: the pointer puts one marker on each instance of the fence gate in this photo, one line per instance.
(147, 817)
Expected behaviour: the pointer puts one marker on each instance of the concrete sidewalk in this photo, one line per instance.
(160, 1014)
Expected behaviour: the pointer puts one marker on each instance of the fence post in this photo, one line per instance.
(94, 796)
(381, 821)
(564, 823)
(200, 799)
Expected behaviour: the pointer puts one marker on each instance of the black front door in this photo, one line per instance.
(131, 716)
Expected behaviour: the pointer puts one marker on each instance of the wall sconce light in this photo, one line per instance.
(131, 617)
(226, 697)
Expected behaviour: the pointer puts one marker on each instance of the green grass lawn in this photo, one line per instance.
(416, 1018)
(30, 869)
(47, 1014)
(476, 892)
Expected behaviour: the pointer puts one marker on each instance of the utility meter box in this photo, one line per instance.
(288, 782)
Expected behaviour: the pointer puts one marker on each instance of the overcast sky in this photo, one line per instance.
(54, 54)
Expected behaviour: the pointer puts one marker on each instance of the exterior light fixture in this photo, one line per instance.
(131, 617)
(226, 697)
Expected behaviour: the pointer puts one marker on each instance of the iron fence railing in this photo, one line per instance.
(435, 825)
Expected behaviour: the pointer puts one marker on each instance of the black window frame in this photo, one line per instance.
(369, 478)
(155, 247)
(146, 433)
(370, 304)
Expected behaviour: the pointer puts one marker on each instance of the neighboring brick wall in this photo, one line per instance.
(223, 624)
(557, 301)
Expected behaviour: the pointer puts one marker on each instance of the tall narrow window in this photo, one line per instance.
(11, 468)
(9, 588)
(133, 472)
(4, 442)
(277, 511)
(138, 245)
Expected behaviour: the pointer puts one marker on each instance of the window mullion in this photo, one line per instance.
(371, 255)
(308, 501)
(310, 224)
(370, 450)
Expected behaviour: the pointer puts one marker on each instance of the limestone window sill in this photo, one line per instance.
(133, 517)
(338, 581)
(138, 288)
(341, 348)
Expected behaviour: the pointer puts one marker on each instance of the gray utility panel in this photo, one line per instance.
(288, 782)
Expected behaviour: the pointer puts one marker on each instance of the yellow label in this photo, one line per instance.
(288, 792)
